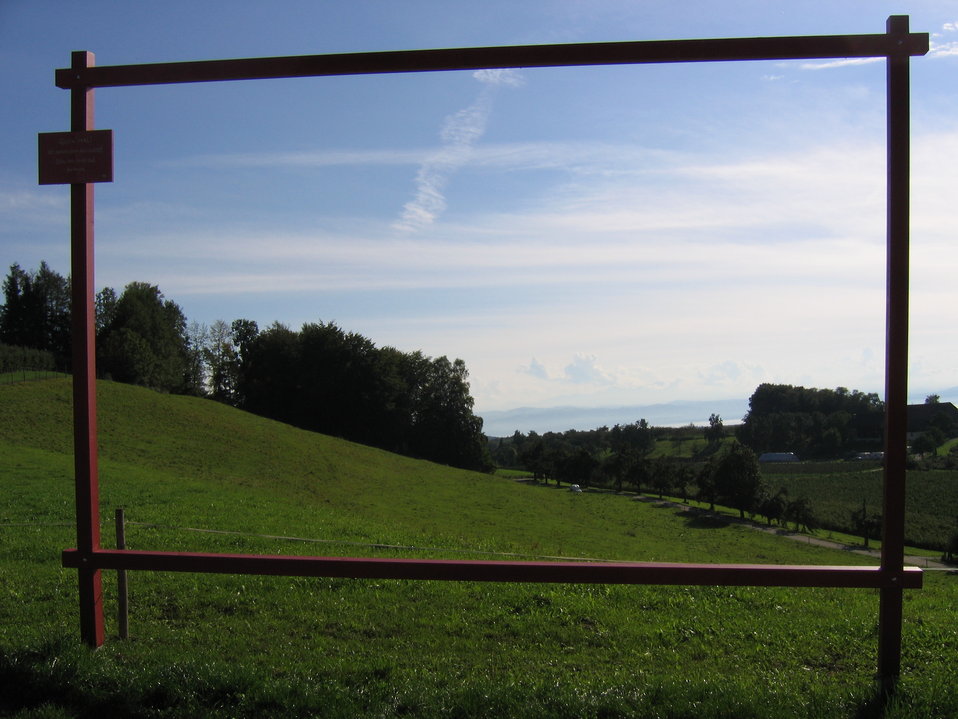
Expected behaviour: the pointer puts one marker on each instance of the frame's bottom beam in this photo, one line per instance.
(758, 575)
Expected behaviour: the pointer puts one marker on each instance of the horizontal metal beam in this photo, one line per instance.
(475, 58)
(760, 575)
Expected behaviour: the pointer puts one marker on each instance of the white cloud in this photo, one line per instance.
(935, 49)
(583, 370)
(47, 205)
(535, 369)
(687, 274)
(507, 77)
(460, 132)
(679, 220)
(587, 157)
(846, 62)
(304, 158)
(943, 49)
(729, 373)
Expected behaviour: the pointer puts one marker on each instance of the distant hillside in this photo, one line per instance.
(502, 423)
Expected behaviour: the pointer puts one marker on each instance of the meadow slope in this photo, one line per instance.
(273, 646)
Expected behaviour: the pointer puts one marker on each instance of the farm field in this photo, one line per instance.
(931, 503)
(271, 646)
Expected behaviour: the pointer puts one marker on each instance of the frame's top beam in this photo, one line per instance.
(476, 58)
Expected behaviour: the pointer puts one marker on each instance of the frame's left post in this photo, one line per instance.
(84, 372)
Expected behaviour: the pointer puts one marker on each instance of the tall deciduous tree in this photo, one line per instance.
(243, 333)
(105, 305)
(773, 506)
(196, 374)
(270, 375)
(716, 430)
(145, 341)
(738, 480)
(444, 427)
(222, 362)
(801, 512)
(328, 380)
(865, 524)
(36, 311)
(705, 481)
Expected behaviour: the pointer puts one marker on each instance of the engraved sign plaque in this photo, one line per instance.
(75, 157)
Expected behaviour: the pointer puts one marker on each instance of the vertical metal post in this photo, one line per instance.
(896, 353)
(84, 372)
(122, 594)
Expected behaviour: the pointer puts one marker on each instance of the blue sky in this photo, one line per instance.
(587, 236)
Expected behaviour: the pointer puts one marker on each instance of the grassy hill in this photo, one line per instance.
(274, 646)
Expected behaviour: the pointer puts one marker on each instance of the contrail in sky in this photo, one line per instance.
(460, 132)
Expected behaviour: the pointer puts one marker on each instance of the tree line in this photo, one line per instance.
(321, 378)
(724, 471)
(812, 423)
(36, 314)
(325, 379)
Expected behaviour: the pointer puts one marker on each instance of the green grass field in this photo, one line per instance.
(205, 645)
(945, 449)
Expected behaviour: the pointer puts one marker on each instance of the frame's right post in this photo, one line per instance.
(896, 354)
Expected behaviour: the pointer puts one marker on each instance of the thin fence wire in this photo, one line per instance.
(378, 545)
(29, 375)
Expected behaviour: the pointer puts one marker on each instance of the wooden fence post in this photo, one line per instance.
(123, 606)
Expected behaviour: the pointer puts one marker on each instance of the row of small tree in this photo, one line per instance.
(620, 457)
(601, 456)
(733, 478)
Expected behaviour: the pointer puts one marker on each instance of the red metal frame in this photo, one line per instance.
(897, 45)
(84, 371)
(765, 575)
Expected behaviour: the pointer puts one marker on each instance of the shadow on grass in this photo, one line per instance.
(701, 520)
(63, 679)
(881, 701)
(539, 484)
